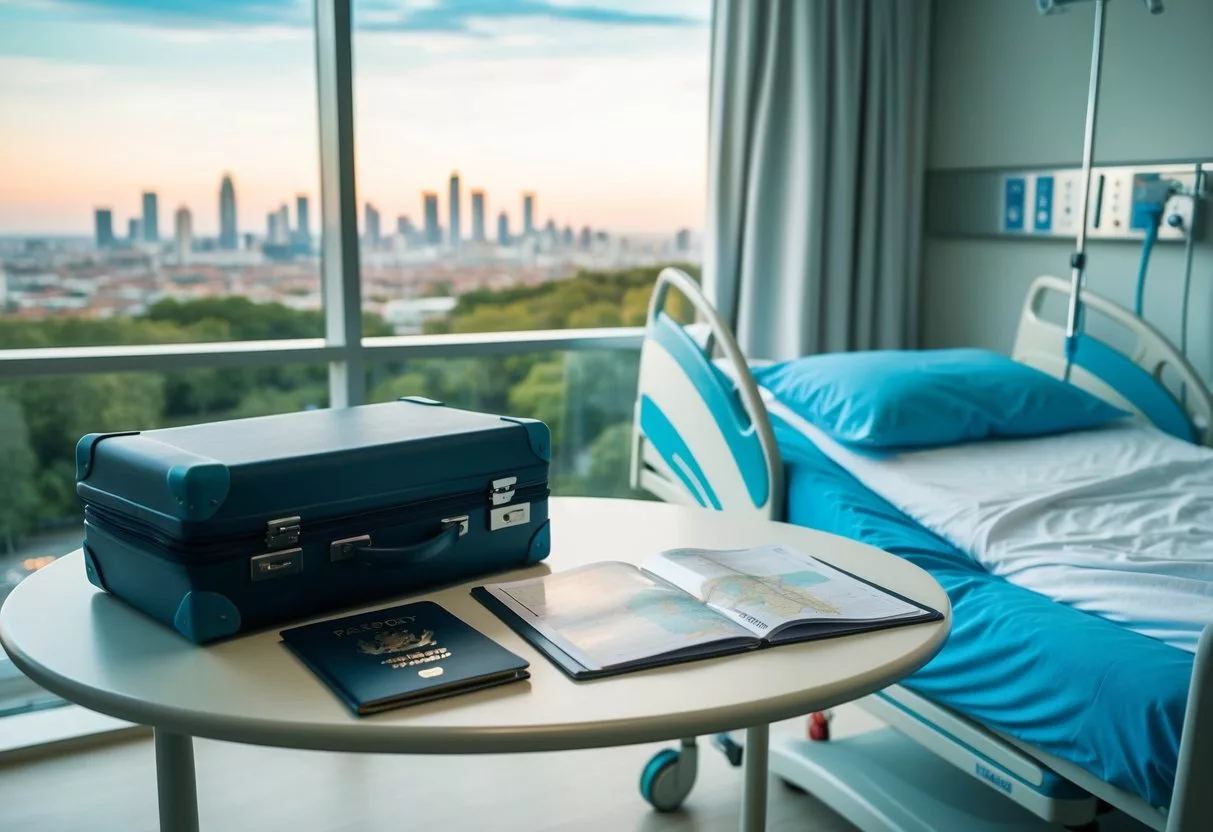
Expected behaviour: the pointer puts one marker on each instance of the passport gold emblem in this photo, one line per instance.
(430, 672)
(398, 641)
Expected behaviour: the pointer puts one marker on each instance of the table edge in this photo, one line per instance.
(354, 736)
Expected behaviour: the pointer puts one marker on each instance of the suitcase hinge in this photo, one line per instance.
(502, 491)
(282, 532)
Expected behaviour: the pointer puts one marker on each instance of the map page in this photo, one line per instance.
(610, 615)
(771, 587)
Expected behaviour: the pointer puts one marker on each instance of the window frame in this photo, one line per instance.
(343, 348)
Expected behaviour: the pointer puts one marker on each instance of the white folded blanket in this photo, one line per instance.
(1117, 521)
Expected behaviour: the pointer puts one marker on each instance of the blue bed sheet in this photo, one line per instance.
(1069, 683)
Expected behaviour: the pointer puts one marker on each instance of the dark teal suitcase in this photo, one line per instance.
(221, 528)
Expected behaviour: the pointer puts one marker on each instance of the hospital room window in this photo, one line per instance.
(527, 166)
(160, 173)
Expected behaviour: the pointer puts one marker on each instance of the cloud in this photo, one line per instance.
(449, 16)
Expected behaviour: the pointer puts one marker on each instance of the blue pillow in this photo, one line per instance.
(908, 399)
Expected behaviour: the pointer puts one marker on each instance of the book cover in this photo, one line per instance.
(401, 656)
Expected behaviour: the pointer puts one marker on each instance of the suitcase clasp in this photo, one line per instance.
(282, 532)
(502, 491)
(276, 564)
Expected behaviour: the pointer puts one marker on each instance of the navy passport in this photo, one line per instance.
(401, 656)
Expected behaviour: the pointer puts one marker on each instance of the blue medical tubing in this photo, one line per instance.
(1154, 211)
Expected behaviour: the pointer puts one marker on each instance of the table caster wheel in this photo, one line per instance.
(668, 777)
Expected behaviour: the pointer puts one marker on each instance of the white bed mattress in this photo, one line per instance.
(1116, 521)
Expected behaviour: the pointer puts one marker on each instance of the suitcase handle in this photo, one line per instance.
(396, 557)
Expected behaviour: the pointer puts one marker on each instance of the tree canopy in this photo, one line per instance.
(585, 397)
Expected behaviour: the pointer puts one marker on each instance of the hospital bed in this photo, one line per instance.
(1060, 713)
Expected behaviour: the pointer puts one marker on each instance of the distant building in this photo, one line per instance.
(569, 237)
(587, 238)
(103, 224)
(528, 215)
(132, 231)
(271, 227)
(408, 316)
(433, 234)
(284, 225)
(682, 240)
(228, 237)
(550, 229)
(477, 216)
(183, 228)
(151, 221)
(303, 230)
(503, 229)
(456, 229)
(370, 231)
(404, 228)
(602, 236)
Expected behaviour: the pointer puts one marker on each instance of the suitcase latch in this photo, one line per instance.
(502, 491)
(282, 532)
(276, 565)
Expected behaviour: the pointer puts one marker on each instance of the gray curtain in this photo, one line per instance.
(818, 111)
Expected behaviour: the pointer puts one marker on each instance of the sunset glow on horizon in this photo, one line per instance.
(600, 110)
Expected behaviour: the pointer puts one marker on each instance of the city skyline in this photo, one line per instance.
(606, 118)
(278, 230)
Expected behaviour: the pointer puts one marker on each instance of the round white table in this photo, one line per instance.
(93, 649)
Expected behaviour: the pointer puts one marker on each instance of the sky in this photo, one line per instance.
(597, 106)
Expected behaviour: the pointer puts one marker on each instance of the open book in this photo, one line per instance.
(686, 604)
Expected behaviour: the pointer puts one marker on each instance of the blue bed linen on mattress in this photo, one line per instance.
(1072, 684)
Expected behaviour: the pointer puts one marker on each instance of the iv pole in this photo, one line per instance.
(1078, 260)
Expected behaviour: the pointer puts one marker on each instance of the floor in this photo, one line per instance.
(246, 787)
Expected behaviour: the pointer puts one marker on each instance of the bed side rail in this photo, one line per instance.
(701, 435)
(1133, 381)
(1192, 801)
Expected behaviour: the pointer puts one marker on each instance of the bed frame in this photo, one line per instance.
(701, 437)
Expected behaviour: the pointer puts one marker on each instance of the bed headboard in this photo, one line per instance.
(1132, 380)
(701, 435)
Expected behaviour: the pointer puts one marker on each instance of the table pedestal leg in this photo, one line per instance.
(754, 794)
(178, 795)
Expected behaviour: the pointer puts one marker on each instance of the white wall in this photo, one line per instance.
(1008, 89)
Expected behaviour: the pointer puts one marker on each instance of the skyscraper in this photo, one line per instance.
(549, 230)
(370, 231)
(528, 215)
(284, 225)
(478, 216)
(271, 227)
(227, 215)
(456, 228)
(503, 229)
(103, 223)
(682, 240)
(151, 222)
(404, 227)
(587, 238)
(183, 227)
(569, 236)
(303, 234)
(433, 234)
(132, 231)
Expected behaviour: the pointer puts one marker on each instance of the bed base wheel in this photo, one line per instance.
(667, 778)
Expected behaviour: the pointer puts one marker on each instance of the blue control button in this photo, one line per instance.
(1044, 203)
(1014, 194)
